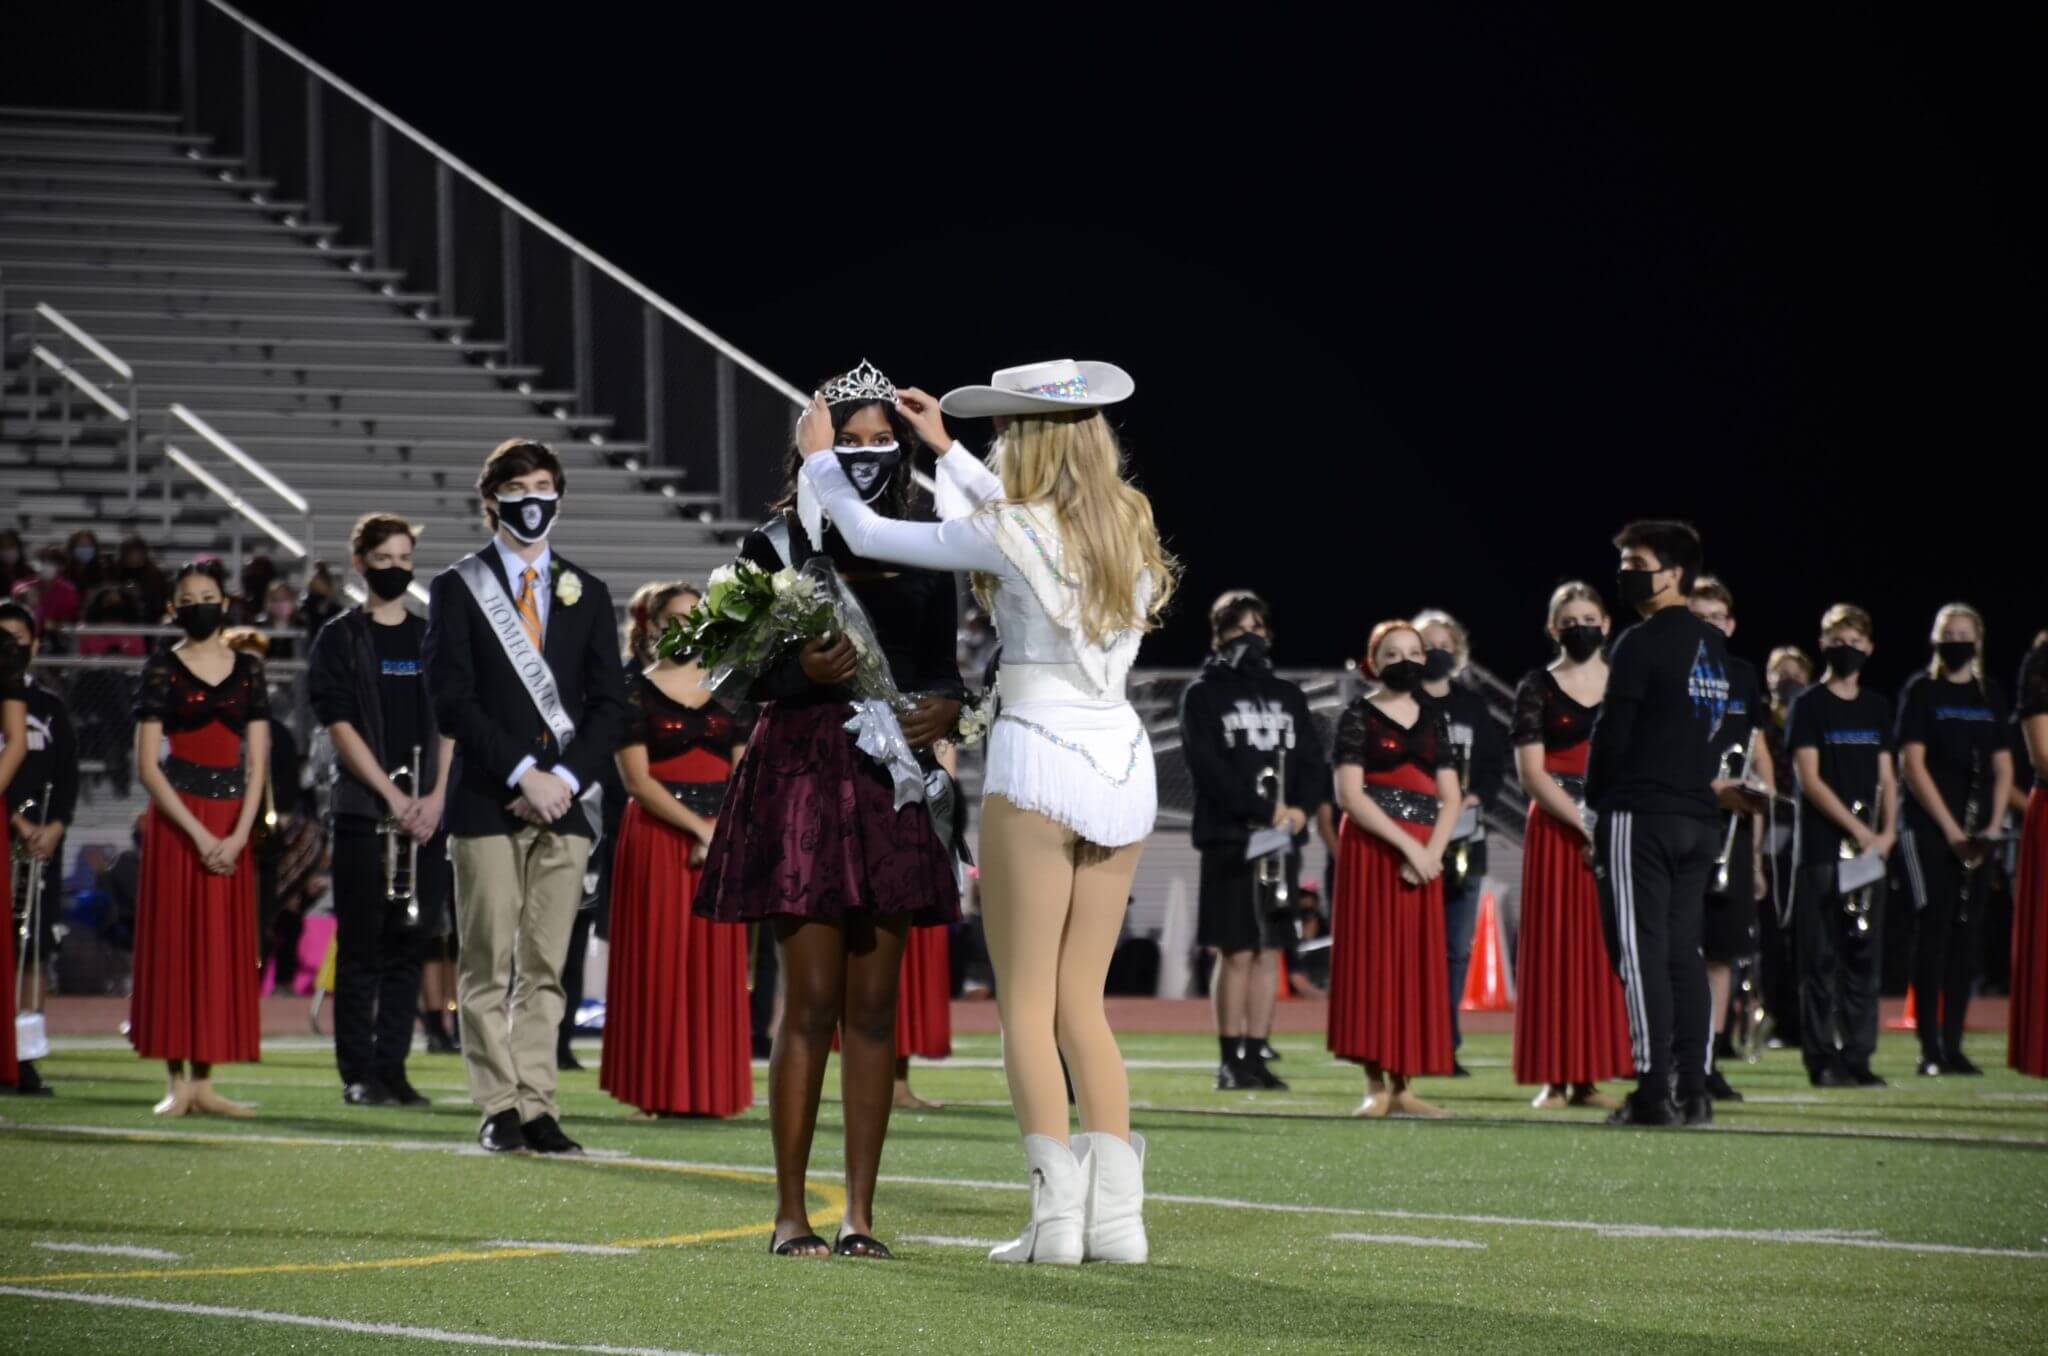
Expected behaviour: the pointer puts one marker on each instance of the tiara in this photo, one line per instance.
(865, 382)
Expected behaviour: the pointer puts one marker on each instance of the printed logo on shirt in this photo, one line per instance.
(1964, 713)
(401, 668)
(38, 734)
(1461, 737)
(1854, 737)
(1262, 725)
(1707, 685)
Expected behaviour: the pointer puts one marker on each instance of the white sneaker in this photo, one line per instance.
(1058, 1192)
(1114, 1220)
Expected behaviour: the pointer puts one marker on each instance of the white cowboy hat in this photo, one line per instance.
(1035, 388)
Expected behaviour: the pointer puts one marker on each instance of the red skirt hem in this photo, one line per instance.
(196, 980)
(1571, 1025)
(1389, 987)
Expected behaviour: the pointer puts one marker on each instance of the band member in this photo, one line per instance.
(1840, 737)
(1072, 566)
(675, 1023)
(1730, 932)
(1955, 755)
(1398, 788)
(2026, 1046)
(194, 1004)
(388, 789)
(1649, 778)
(1480, 748)
(813, 846)
(1787, 673)
(13, 751)
(1571, 1029)
(39, 801)
(1252, 750)
(522, 667)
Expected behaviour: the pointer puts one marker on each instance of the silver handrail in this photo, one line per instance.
(131, 415)
(228, 448)
(520, 209)
(234, 501)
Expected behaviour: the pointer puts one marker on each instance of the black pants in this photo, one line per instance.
(1838, 971)
(1948, 939)
(1653, 871)
(572, 980)
(376, 962)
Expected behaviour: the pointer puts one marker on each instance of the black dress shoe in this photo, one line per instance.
(1959, 1064)
(1832, 1077)
(1635, 1109)
(1698, 1109)
(1459, 1071)
(566, 1061)
(1864, 1078)
(1929, 1068)
(501, 1134)
(1718, 1089)
(29, 1083)
(403, 1093)
(544, 1136)
(369, 1092)
(1267, 1079)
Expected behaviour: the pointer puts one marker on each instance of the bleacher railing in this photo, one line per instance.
(232, 453)
(71, 378)
(367, 173)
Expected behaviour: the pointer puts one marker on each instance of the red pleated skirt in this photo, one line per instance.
(2026, 1043)
(1389, 988)
(10, 1068)
(1570, 1022)
(924, 1006)
(195, 994)
(676, 1035)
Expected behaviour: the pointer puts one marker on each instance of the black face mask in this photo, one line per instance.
(1957, 654)
(199, 620)
(1581, 642)
(1787, 692)
(1401, 676)
(1844, 661)
(387, 582)
(529, 519)
(871, 469)
(1438, 664)
(1247, 652)
(1635, 587)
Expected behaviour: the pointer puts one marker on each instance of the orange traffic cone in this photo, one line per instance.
(1489, 982)
(1284, 992)
(1906, 1020)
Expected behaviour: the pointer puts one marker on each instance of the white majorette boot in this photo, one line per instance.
(1058, 1191)
(1115, 1218)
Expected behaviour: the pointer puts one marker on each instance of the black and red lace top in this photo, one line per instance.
(1392, 754)
(204, 723)
(684, 743)
(1548, 715)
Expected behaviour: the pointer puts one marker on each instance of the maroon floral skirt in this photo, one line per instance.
(810, 830)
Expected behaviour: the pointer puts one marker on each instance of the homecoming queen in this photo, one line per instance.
(1066, 555)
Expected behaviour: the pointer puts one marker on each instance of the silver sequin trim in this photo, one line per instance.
(1070, 746)
(1031, 533)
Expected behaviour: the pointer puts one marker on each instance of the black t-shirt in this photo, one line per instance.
(1661, 730)
(1854, 738)
(398, 690)
(1745, 708)
(1962, 725)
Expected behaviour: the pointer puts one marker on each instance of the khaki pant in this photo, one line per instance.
(516, 897)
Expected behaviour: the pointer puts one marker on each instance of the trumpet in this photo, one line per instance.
(1272, 869)
(402, 858)
(1733, 763)
(25, 875)
(1857, 903)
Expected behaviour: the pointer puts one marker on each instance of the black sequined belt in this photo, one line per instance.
(699, 798)
(1413, 807)
(1573, 784)
(199, 779)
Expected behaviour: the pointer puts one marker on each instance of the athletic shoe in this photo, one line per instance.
(1718, 1089)
(1267, 1054)
(1929, 1068)
(1636, 1109)
(1267, 1079)
(1698, 1109)
(1959, 1064)
(30, 1083)
(369, 1092)
(1235, 1076)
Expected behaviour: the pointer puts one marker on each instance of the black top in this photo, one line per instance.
(1962, 725)
(52, 758)
(1658, 737)
(1476, 738)
(1234, 721)
(2033, 685)
(669, 728)
(915, 614)
(399, 691)
(1745, 709)
(1548, 715)
(175, 696)
(1854, 739)
(1369, 738)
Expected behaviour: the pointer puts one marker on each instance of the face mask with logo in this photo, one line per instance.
(1438, 665)
(1401, 676)
(870, 468)
(1844, 661)
(1247, 652)
(529, 517)
(388, 582)
(1580, 641)
(1957, 654)
(1635, 587)
(199, 620)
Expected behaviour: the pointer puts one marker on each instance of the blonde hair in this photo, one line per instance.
(1569, 592)
(1847, 614)
(1461, 639)
(1790, 654)
(1073, 464)
(1948, 613)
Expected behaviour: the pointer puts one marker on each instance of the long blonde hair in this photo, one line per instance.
(1073, 463)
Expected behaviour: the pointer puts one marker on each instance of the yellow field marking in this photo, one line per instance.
(833, 1196)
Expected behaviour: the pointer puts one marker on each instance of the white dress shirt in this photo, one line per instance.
(543, 600)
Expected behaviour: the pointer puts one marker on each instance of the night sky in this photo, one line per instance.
(1420, 307)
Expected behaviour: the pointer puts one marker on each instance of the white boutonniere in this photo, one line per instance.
(569, 588)
(971, 728)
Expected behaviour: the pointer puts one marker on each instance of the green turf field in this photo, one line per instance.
(1910, 1219)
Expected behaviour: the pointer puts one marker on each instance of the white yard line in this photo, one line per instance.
(1605, 1228)
(948, 1241)
(1409, 1240)
(443, 1335)
(589, 1249)
(113, 1250)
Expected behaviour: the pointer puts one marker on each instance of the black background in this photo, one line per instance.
(1421, 307)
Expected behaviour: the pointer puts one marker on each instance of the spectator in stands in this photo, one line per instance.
(49, 595)
(321, 602)
(14, 561)
(84, 566)
(42, 798)
(259, 571)
(135, 570)
(280, 608)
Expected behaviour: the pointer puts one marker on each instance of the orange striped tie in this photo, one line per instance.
(529, 610)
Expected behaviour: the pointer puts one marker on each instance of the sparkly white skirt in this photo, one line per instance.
(1085, 765)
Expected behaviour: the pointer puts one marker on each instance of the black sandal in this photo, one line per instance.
(862, 1245)
(791, 1247)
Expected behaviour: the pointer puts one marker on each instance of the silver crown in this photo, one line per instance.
(865, 382)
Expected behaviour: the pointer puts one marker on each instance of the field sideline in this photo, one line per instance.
(1910, 1219)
